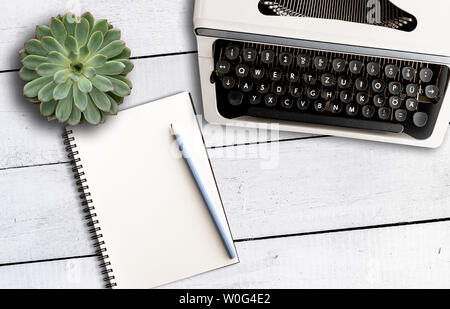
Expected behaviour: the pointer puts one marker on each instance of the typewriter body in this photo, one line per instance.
(366, 69)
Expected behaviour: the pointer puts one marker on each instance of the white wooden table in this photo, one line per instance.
(334, 213)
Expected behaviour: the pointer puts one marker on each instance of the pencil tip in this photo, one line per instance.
(172, 130)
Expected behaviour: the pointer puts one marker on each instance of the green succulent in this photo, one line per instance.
(76, 69)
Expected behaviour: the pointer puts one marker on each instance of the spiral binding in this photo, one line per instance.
(89, 209)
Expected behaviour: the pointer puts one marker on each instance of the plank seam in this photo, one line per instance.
(268, 142)
(350, 229)
(32, 166)
(400, 224)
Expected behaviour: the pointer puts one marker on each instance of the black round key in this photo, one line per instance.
(378, 85)
(420, 119)
(258, 73)
(384, 113)
(232, 52)
(336, 107)
(287, 103)
(228, 82)
(344, 82)
(279, 89)
(328, 94)
(408, 73)
(285, 59)
(245, 85)
(361, 84)
(426, 75)
(250, 54)
(313, 93)
(368, 111)
(320, 106)
(303, 103)
(373, 68)
(310, 78)
(270, 100)
(401, 115)
(235, 97)
(431, 92)
(267, 56)
(339, 65)
(395, 88)
(321, 63)
(355, 66)
(263, 87)
(412, 90)
(242, 70)
(379, 100)
(352, 109)
(254, 99)
(296, 91)
(275, 74)
(292, 76)
(362, 98)
(395, 102)
(412, 105)
(223, 67)
(303, 61)
(391, 71)
(327, 80)
(346, 96)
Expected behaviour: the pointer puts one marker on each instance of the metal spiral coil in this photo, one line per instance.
(86, 202)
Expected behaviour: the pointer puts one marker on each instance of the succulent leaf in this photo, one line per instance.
(51, 44)
(80, 99)
(59, 32)
(112, 49)
(32, 89)
(92, 113)
(48, 108)
(62, 90)
(34, 47)
(111, 68)
(46, 93)
(75, 69)
(64, 109)
(42, 31)
(33, 61)
(102, 83)
(100, 100)
(28, 75)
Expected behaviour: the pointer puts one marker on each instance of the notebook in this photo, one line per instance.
(151, 224)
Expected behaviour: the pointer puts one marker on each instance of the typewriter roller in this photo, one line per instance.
(390, 16)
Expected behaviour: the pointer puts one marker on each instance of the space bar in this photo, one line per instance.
(325, 120)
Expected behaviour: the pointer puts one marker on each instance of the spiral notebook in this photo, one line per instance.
(148, 218)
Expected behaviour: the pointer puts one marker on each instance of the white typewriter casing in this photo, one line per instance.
(240, 20)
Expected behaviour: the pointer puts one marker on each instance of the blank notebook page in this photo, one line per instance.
(154, 222)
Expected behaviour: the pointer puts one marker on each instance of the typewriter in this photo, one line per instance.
(367, 69)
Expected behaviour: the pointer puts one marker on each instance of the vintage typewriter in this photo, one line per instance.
(367, 69)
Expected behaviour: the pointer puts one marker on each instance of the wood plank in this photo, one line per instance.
(400, 257)
(28, 139)
(318, 185)
(170, 29)
(330, 183)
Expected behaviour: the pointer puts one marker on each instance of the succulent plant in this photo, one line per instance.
(76, 69)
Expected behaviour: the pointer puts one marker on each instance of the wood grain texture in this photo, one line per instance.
(149, 27)
(315, 185)
(330, 183)
(403, 257)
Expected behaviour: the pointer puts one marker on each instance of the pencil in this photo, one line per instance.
(223, 235)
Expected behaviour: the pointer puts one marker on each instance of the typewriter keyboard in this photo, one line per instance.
(328, 88)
